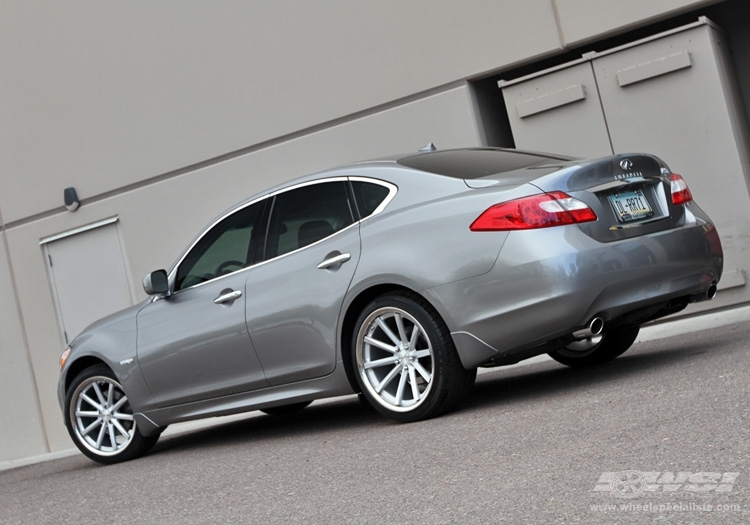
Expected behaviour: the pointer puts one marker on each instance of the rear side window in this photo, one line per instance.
(368, 197)
(306, 215)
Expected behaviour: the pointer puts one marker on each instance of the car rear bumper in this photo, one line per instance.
(548, 283)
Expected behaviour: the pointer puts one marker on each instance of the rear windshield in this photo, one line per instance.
(475, 163)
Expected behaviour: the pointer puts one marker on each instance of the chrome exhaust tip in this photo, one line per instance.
(709, 294)
(595, 327)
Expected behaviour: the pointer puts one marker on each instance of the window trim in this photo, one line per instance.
(266, 218)
(392, 190)
(172, 273)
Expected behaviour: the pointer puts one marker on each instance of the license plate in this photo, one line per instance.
(630, 205)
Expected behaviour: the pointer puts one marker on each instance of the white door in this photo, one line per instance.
(88, 276)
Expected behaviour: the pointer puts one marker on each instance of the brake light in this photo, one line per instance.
(680, 191)
(538, 211)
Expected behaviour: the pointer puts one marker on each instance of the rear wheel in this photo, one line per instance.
(597, 349)
(100, 420)
(407, 365)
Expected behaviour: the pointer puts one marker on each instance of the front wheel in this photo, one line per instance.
(100, 420)
(407, 365)
(597, 349)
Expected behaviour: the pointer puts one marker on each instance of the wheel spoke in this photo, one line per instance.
(390, 360)
(123, 417)
(414, 386)
(422, 371)
(100, 438)
(99, 394)
(91, 402)
(119, 404)
(110, 394)
(400, 389)
(112, 440)
(414, 337)
(400, 325)
(388, 331)
(86, 413)
(388, 379)
(380, 344)
(120, 428)
(91, 427)
(419, 354)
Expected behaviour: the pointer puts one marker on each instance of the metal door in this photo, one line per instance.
(88, 275)
(559, 113)
(191, 348)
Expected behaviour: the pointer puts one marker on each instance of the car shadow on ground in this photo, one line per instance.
(549, 379)
(496, 388)
(318, 418)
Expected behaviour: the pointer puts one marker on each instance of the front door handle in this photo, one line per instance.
(337, 259)
(228, 296)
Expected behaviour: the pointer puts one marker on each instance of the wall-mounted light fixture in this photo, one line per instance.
(71, 199)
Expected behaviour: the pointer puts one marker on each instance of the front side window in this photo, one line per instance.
(306, 215)
(227, 247)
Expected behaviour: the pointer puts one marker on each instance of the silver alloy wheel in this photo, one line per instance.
(395, 359)
(102, 417)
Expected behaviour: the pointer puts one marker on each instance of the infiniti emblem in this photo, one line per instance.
(626, 164)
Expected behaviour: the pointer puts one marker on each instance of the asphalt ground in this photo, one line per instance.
(660, 435)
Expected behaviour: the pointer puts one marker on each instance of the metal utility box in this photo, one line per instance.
(673, 95)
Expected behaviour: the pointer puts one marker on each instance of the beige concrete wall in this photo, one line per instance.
(21, 431)
(129, 102)
(98, 95)
(583, 21)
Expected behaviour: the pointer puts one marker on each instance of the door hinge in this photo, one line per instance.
(50, 259)
(66, 337)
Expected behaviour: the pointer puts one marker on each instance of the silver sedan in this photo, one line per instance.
(396, 278)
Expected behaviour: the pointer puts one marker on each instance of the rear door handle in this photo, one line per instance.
(228, 296)
(337, 259)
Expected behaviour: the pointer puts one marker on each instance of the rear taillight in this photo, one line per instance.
(538, 211)
(680, 191)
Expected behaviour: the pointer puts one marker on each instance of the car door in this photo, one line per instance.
(194, 344)
(294, 298)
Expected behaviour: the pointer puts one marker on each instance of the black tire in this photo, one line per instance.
(285, 409)
(599, 349)
(100, 420)
(409, 370)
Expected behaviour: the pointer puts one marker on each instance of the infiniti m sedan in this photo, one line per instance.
(395, 278)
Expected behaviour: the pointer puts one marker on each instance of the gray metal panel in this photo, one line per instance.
(674, 102)
(560, 112)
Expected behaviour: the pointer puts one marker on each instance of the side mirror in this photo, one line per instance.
(156, 283)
